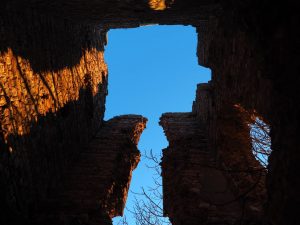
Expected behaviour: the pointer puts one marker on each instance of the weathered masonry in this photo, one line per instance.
(61, 163)
(210, 176)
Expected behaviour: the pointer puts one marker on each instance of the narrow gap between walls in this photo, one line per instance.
(152, 70)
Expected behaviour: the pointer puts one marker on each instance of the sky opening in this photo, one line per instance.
(261, 141)
(152, 70)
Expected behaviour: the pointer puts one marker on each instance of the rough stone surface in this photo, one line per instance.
(96, 184)
(195, 191)
(252, 54)
(46, 116)
(204, 183)
(51, 54)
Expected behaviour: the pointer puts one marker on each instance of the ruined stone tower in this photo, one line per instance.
(61, 163)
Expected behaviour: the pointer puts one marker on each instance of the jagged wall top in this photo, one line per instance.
(120, 13)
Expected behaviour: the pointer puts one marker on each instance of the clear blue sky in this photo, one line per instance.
(152, 70)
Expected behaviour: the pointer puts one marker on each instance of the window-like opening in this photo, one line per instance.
(152, 70)
(261, 141)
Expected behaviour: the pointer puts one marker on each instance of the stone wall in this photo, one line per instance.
(234, 153)
(96, 183)
(60, 163)
(251, 49)
(50, 107)
(195, 190)
(53, 87)
(210, 175)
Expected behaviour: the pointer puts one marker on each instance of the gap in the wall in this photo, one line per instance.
(261, 141)
(152, 70)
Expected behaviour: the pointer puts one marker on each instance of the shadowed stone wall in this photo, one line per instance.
(53, 87)
(96, 184)
(252, 51)
(210, 175)
(50, 107)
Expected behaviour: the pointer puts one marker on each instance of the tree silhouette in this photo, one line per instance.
(147, 208)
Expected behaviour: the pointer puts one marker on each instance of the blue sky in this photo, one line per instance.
(152, 70)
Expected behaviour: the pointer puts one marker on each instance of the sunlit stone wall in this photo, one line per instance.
(49, 109)
(26, 95)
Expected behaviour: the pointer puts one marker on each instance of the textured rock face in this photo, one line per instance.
(251, 56)
(53, 87)
(95, 185)
(59, 162)
(46, 115)
(195, 191)
(122, 13)
(206, 183)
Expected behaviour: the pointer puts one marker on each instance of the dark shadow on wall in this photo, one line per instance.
(54, 34)
(32, 165)
(48, 42)
(272, 29)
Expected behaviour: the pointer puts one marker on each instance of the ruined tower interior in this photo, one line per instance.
(62, 164)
